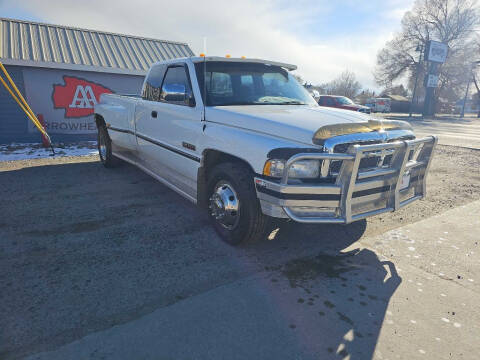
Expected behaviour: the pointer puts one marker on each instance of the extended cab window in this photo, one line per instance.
(176, 86)
(153, 83)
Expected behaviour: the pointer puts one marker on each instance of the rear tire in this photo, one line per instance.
(104, 144)
(234, 209)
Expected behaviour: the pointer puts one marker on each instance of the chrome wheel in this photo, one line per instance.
(224, 205)
(102, 147)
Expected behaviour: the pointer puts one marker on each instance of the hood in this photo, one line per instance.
(294, 122)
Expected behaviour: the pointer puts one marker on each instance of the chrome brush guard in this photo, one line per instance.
(356, 193)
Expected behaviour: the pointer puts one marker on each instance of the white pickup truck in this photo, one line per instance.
(242, 138)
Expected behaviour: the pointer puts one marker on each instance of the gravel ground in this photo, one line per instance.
(83, 248)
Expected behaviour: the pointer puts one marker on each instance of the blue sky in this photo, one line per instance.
(323, 37)
(10, 10)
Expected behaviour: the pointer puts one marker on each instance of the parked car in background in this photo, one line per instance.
(342, 102)
(382, 105)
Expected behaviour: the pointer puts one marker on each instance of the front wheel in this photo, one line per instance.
(233, 205)
(105, 148)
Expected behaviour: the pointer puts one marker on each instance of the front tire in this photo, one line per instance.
(105, 148)
(233, 205)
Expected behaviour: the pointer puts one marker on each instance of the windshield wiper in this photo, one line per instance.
(260, 103)
(291, 103)
(234, 103)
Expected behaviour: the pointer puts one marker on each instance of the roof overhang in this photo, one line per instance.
(75, 67)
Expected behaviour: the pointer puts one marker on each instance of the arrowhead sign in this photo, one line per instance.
(77, 97)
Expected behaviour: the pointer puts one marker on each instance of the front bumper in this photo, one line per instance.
(356, 193)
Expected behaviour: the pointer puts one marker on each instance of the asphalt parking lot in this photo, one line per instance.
(86, 251)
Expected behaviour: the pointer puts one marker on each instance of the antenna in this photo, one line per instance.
(204, 80)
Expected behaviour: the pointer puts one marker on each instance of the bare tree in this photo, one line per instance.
(395, 90)
(450, 21)
(345, 85)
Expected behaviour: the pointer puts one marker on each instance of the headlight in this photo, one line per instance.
(303, 169)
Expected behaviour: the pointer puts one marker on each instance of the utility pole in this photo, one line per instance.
(435, 54)
(470, 75)
(430, 91)
(418, 49)
(478, 94)
(466, 96)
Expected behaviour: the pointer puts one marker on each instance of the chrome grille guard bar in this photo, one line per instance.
(354, 186)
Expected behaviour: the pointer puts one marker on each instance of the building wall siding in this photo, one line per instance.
(13, 121)
(36, 85)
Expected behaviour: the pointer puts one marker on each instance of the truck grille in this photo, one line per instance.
(365, 163)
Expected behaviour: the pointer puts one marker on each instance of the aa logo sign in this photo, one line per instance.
(78, 96)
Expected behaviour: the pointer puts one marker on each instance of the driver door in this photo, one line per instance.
(169, 130)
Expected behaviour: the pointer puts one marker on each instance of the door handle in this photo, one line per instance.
(154, 114)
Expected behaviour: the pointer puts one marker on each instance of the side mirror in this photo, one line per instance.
(174, 93)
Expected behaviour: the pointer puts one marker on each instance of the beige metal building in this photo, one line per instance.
(63, 70)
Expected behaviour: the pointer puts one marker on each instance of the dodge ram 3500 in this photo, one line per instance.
(244, 140)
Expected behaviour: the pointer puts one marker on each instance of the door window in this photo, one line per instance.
(153, 83)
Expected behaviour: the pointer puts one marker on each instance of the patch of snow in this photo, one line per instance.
(26, 151)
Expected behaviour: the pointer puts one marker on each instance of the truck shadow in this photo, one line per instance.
(347, 298)
(340, 296)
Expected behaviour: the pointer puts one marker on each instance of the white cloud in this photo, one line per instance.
(277, 30)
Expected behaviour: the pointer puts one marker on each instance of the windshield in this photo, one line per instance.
(233, 83)
(345, 101)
